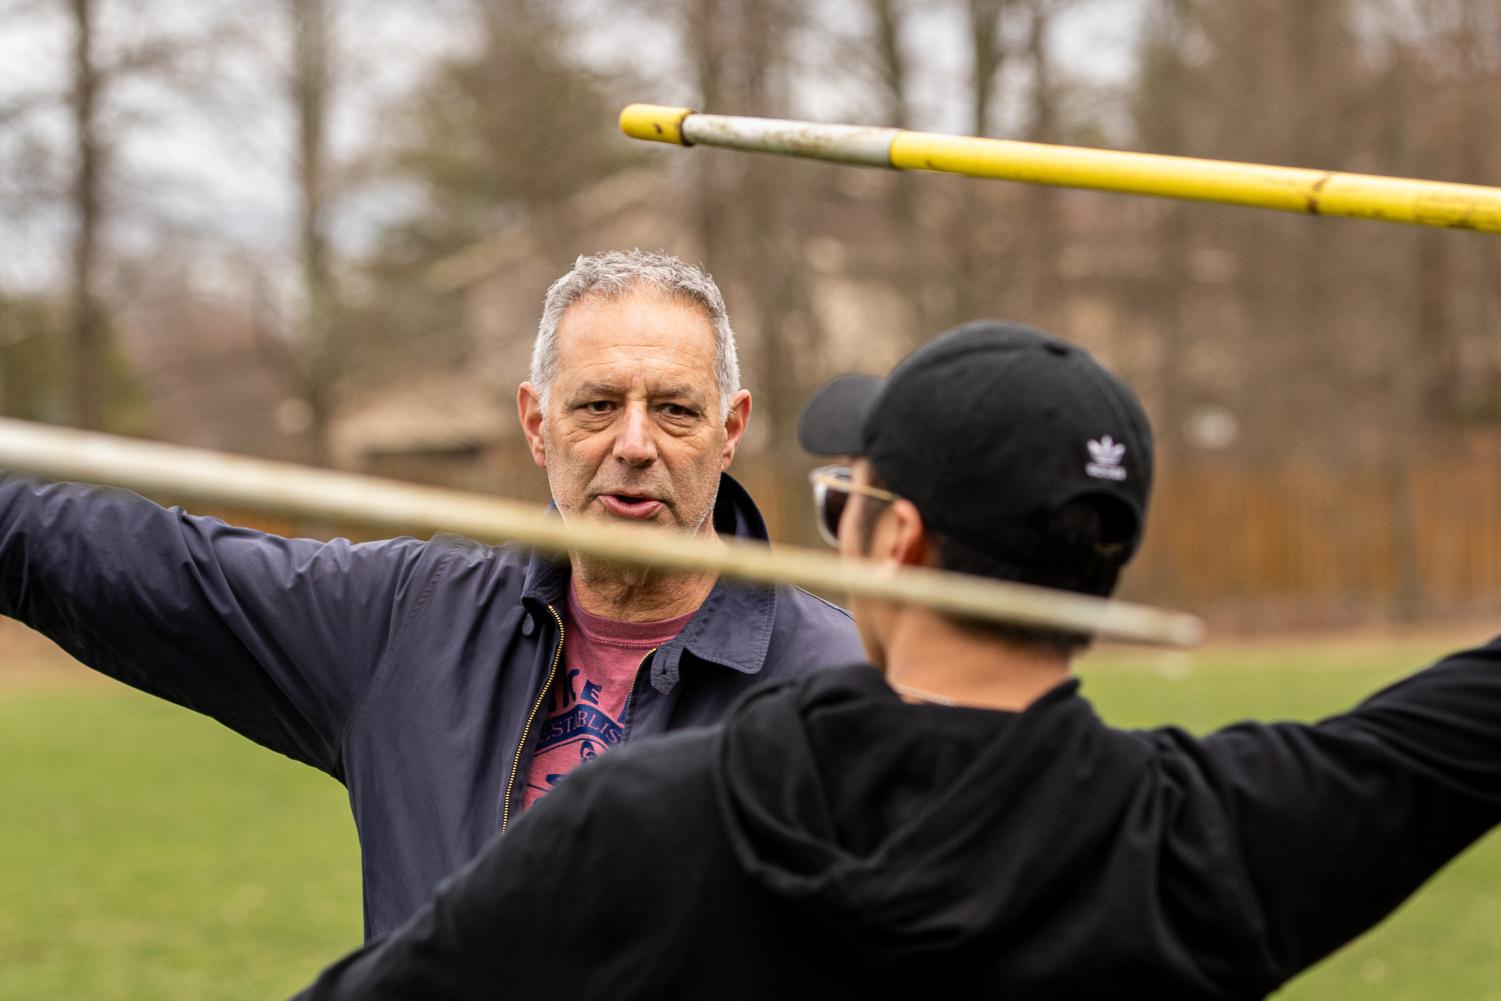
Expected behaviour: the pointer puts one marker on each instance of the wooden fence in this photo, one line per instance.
(1299, 544)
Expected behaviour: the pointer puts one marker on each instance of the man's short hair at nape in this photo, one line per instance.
(1083, 552)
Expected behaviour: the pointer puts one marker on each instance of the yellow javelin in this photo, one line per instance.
(1287, 189)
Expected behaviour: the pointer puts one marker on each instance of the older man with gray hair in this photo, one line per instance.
(449, 685)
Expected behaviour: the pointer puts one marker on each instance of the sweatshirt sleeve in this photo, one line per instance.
(466, 944)
(579, 897)
(520, 918)
(1340, 821)
(276, 638)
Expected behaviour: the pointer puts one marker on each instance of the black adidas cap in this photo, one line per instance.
(990, 428)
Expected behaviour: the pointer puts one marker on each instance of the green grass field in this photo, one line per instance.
(149, 854)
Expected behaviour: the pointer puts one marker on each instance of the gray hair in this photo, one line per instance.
(614, 273)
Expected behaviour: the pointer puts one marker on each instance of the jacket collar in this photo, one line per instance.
(732, 628)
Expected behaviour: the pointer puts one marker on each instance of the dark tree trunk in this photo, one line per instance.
(905, 216)
(310, 91)
(705, 33)
(988, 54)
(85, 326)
(1043, 239)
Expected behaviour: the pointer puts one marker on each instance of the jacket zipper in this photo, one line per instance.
(557, 654)
(625, 714)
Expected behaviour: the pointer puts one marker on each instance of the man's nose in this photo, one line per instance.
(635, 444)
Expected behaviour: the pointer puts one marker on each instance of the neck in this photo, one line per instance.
(630, 595)
(929, 658)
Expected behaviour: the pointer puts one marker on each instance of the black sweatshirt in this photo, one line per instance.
(833, 842)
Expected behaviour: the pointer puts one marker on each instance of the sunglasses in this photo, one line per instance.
(832, 486)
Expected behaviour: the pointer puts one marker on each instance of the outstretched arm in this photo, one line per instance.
(276, 638)
(1341, 821)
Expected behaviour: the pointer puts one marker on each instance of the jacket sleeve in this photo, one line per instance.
(1340, 821)
(276, 638)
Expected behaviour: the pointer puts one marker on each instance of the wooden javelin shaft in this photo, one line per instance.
(1286, 189)
(282, 488)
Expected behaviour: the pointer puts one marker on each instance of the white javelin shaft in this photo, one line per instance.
(215, 478)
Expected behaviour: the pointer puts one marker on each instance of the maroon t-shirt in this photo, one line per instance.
(585, 711)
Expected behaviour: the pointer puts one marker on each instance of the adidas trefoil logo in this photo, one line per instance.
(1105, 459)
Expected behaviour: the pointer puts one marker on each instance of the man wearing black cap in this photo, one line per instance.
(959, 819)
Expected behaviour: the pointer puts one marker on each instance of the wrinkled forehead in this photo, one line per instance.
(643, 294)
(642, 326)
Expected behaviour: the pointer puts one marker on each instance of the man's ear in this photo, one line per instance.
(734, 427)
(529, 410)
(908, 543)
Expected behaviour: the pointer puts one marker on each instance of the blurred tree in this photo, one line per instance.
(1042, 294)
(1163, 117)
(32, 360)
(35, 362)
(497, 137)
(769, 260)
(84, 322)
(1281, 84)
(500, 134)
(988, 24)
(1446, 70)
(888, 19)
(1436, 113)
(709, 38)
(67, 135)
(1340, 346)
(317, 355)
(505, 132)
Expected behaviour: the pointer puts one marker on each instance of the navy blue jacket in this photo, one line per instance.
(408, 670)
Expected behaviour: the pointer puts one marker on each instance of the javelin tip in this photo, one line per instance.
(655, 123)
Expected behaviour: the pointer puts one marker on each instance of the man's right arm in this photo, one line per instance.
(276, 638)
(575, 898)
(1339, 822)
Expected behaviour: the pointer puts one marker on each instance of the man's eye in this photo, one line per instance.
(678, 410)
(599, 406)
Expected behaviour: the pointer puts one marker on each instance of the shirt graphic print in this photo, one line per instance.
(586, 706)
